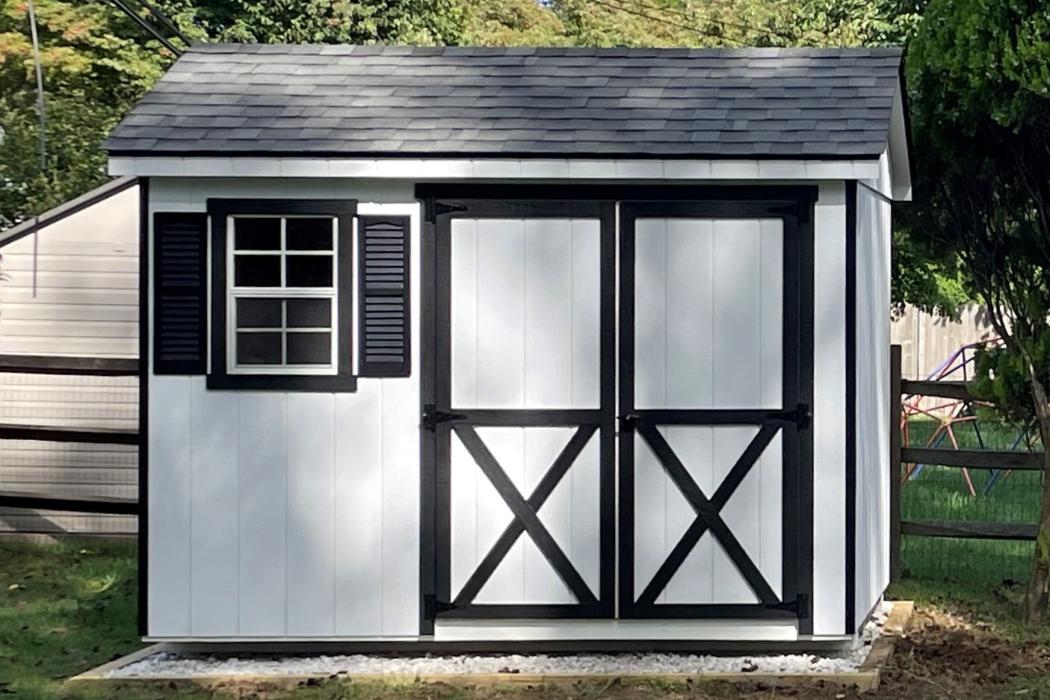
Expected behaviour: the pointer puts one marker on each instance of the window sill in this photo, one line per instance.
(317, 383)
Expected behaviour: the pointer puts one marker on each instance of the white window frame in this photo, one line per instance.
(233, 293)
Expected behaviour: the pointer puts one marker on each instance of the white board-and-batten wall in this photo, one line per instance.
(71, 288)
(872, 367)
(280, 515)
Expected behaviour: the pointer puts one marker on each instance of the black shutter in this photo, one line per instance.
(179, 293)
(384, 343)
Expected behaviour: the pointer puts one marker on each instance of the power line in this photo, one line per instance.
(724, 22)
(637, 13)
(163, 19)
(120, 5)
(693, 28)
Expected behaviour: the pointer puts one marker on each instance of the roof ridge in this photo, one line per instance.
(406, 49)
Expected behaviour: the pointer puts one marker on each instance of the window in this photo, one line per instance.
(283, 287)
(281, 294)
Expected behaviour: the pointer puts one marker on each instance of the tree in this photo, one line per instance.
(96, 65)
(979, 71)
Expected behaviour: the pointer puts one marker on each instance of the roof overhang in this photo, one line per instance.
(543, 169)
(898, 169)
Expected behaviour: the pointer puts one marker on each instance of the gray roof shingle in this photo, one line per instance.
(376, 101)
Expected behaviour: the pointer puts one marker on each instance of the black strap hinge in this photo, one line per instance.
(799, 606)
(432, 606)
(435, 208)
(801, 416)
(432, 416)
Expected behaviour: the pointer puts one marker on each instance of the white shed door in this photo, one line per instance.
(526, 481)
(709, 393)
(530, 376)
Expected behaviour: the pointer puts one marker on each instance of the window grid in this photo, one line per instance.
(282, 294)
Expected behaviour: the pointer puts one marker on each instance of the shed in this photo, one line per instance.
(508, 348)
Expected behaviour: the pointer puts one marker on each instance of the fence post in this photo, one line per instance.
(895, 462)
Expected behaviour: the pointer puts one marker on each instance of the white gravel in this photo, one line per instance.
(175, 665)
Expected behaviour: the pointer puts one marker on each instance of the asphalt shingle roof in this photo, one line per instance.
(377, 101)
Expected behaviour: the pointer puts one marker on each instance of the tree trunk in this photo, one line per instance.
(1035, 602)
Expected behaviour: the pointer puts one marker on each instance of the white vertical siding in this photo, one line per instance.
(319, 493)
(71, 289)
(829, 413)
(285, 515)
(709, 318)
(873, 428)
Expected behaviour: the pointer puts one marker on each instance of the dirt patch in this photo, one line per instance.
(944, 655)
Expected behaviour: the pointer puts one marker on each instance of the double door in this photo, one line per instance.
(615, 416)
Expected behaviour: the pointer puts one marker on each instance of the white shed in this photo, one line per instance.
(507, 348)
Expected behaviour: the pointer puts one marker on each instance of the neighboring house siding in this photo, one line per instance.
(81, 301)
(927, 340)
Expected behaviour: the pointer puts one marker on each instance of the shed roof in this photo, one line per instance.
(386, 101)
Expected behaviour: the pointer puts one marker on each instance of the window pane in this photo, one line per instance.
(309, 348)
(308, 234)
(309, 271)
(258, 348)
(257, 271)
(258, 313)
(309, 313)
(257, 234)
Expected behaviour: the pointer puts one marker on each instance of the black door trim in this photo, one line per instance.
(440, 420)
(792, 421)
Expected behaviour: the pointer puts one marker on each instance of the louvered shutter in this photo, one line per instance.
(384, 343)
(179, 293)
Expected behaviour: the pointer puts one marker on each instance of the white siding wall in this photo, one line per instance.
(71, 289)
(285, 515)
(829, 413)
(872, 367)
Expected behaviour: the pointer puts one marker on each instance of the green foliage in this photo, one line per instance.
(96, 65)
(979, 71)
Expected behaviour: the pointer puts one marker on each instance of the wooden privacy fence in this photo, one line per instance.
(78, 366)
(947, 457)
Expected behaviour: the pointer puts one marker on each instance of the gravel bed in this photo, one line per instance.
(176, 665)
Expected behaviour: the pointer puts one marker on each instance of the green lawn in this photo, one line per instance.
(941, 493)
(66, 608)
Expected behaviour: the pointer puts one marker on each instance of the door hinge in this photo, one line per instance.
(801, 416)
(432, 416)
(435, 208)
(800, 211)
(432, 606)
(799, 606)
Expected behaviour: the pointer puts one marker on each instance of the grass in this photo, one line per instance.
(63, 609)
(68, 607)
(941, 493)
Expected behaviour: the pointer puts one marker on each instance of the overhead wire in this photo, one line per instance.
(153, 31)
(619, 6)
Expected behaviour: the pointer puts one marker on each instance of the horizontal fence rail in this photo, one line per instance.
(973, 459)
(70, 366)
(947, 457)
(970, 530)
(83, 366)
